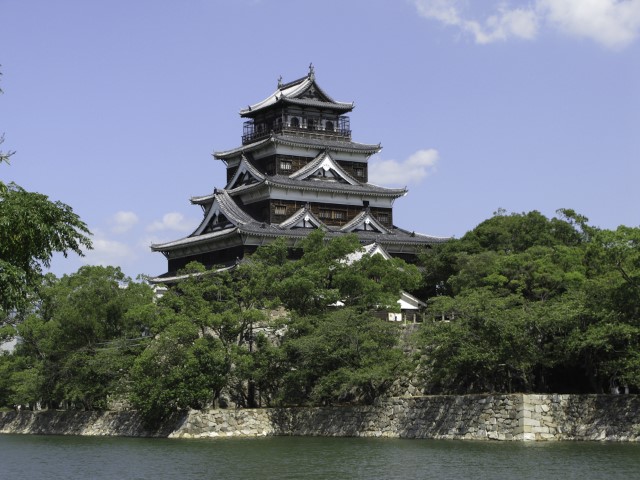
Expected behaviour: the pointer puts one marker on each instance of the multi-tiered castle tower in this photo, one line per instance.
(297, 170)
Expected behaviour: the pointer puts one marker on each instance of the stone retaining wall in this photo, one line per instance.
(478, 417)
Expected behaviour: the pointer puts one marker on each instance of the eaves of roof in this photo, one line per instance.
(309, 102)
(285, 182)
(193, 240)
(231, 209)
(302, 142)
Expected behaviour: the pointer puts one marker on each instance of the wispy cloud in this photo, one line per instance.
(499, 25)
(107, 251)
(122, 222)
(411, 170)
(171, 221)
(612, 23)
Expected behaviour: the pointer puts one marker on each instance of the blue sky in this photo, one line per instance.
(115, 107)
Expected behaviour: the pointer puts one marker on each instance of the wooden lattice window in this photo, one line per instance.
(280, 210)
(285, 165)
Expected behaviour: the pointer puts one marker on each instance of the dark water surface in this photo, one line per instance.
(58, 457)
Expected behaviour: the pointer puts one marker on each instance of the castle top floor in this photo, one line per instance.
(299, 108)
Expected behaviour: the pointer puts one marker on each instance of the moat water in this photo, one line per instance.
(299, 458)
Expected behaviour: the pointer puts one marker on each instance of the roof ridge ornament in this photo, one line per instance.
(312, 74)
(280, 82)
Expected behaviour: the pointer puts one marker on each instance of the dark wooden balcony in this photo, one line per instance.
(253, 132)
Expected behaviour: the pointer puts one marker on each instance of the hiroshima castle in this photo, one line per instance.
(297, 170)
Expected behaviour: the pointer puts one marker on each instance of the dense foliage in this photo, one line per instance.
(520, 303)
(269, 331)
(534, 304)
(32, 229)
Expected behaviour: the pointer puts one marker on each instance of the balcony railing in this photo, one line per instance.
(253, 132)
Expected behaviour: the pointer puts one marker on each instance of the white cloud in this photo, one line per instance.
(612, 23)
(171, 221)
(412, 170)
(122, 222)
(504, 23)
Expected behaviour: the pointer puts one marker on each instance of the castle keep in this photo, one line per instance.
(297, 170)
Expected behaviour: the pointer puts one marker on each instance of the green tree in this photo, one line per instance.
(307, 286)
(178, 370)
(606, 341)
(533, 304)
(32, 228)
(340, 356)
(83, 336)
(223, 313)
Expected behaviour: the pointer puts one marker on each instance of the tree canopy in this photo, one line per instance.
(32, 228)
(534, 304)
(520, 303)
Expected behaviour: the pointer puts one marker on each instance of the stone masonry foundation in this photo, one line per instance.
(515, 417)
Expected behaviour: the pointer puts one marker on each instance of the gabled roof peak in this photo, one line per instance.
(365, 221)
(326, 163)
(246, 174)
(303, 218)
(367, 250)
(222, 211)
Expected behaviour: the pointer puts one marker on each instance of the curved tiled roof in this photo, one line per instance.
(231, 210)
(321, 186)
(290, 93)
(193, 240)
(310, 102)
(394, 237)
(331, 145)
(202, 199)
(244, 224)
(303, 142)
(420, 236)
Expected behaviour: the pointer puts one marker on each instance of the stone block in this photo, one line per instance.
(523, 413)
(528, 421)
(548, 419)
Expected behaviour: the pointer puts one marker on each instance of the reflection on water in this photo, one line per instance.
(56, 457)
